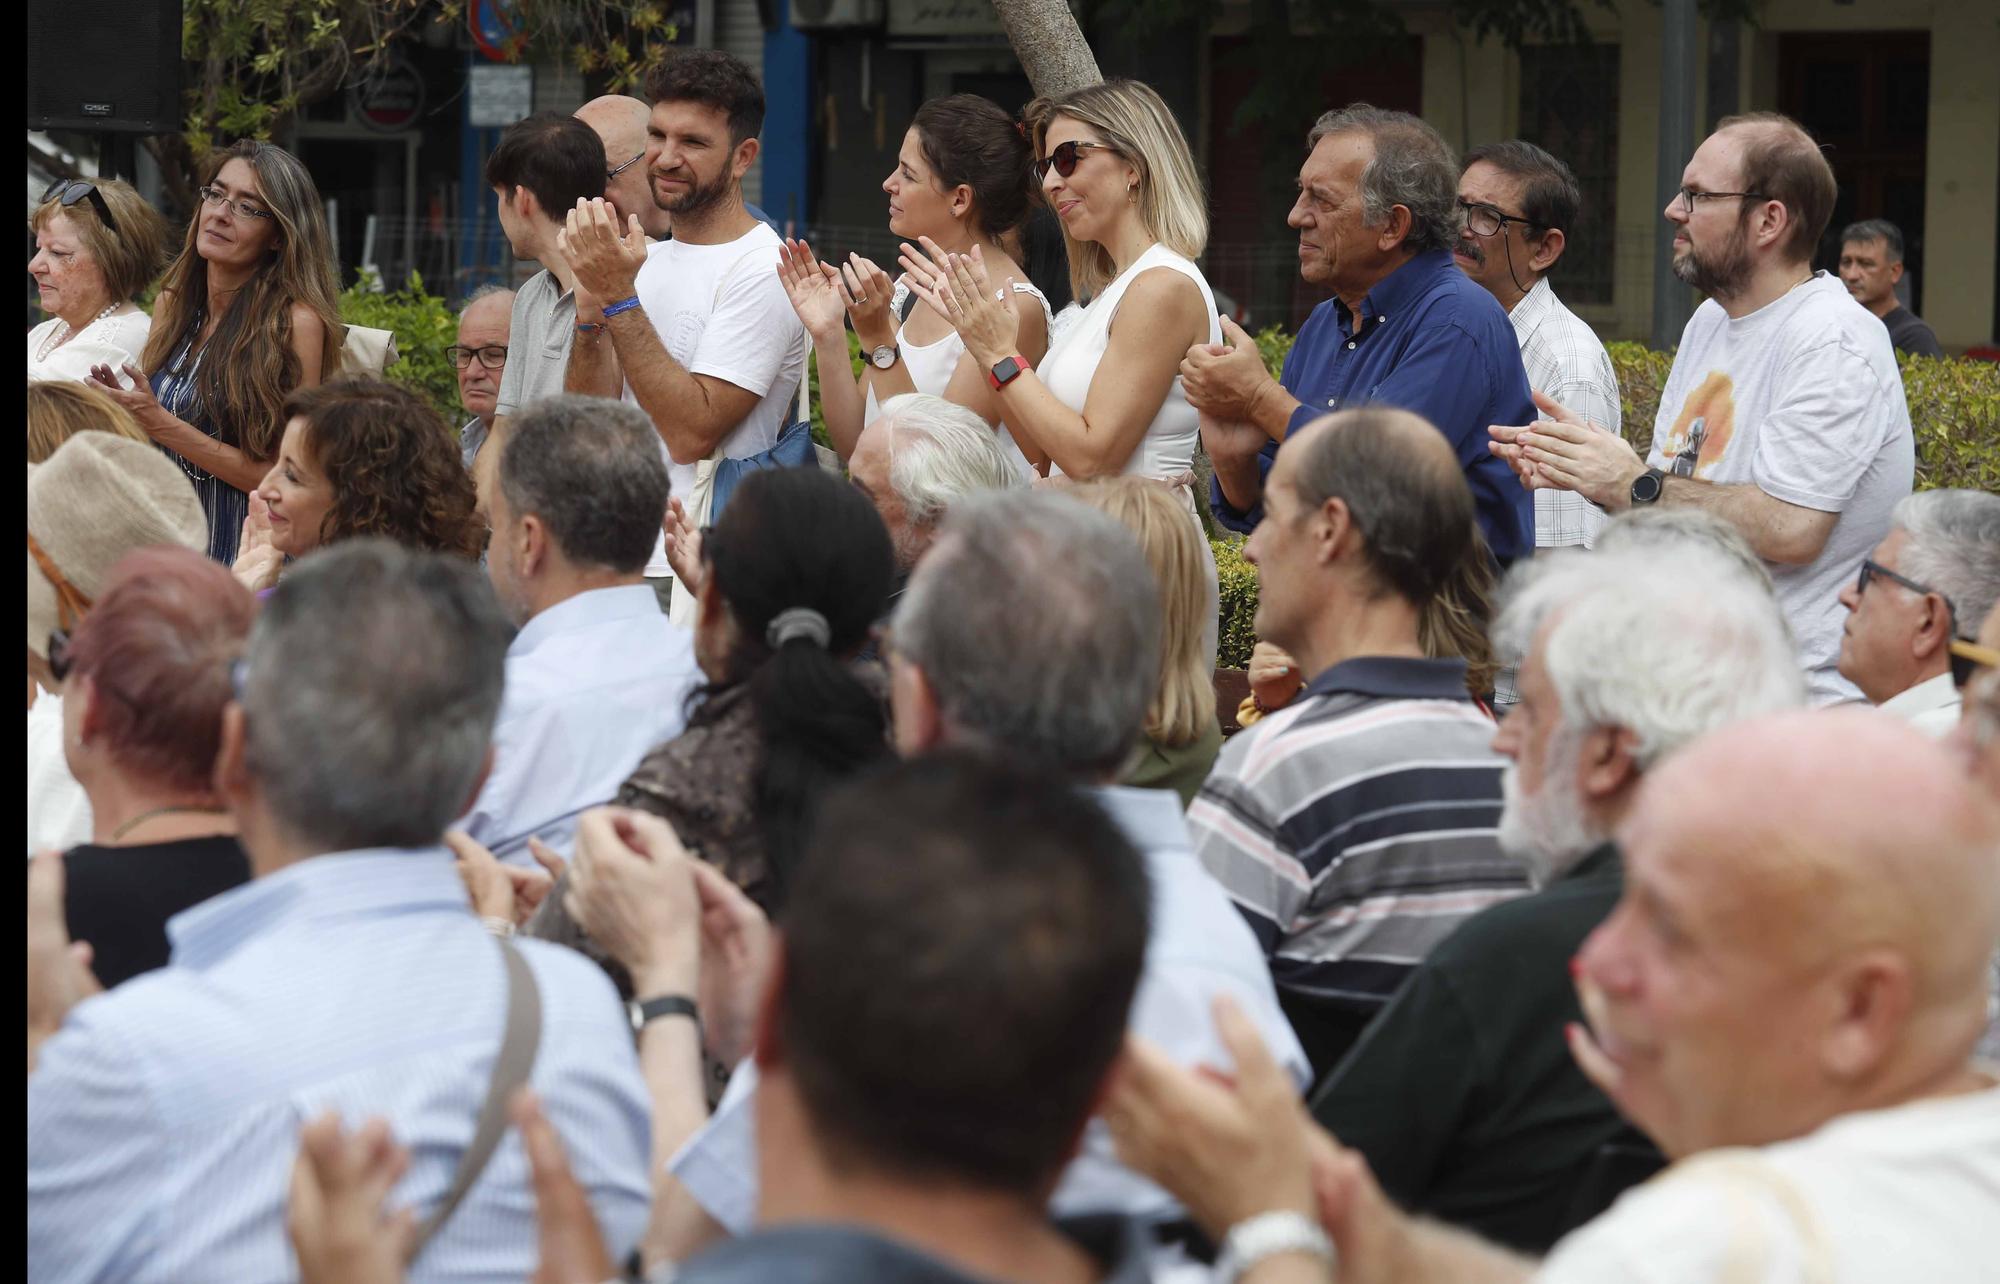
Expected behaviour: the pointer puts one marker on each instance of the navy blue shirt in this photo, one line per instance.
(1434, 342)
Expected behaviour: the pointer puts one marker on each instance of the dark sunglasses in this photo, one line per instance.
(493, 356)
(1967, 659)
(1063, 159)
(72, 190)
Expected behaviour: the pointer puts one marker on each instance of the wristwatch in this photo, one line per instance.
(1646, 487)
(885, 356)
(1007, 370)
(1266, 1235)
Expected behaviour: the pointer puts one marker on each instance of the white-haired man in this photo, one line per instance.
(1929, 582)
(1464, 1104)
(919, 457)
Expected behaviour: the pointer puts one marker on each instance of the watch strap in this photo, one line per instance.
(1254, 1239)
(998, 380)
(645, 1011)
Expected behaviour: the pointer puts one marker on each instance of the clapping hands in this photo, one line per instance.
(958, 288)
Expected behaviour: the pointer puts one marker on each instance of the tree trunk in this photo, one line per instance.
(1049, 44)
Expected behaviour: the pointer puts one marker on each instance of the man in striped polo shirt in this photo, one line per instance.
(1356, 828)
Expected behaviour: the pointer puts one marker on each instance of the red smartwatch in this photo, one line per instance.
(1006, 371)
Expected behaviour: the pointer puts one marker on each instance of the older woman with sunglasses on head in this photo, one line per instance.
(1107, 397)
(961, 181)
(98, 245)
(247, 315)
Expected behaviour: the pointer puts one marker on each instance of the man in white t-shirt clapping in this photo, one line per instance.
(1784, 413)
(696, 330)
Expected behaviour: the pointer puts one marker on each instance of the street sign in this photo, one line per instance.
(390, 98)
(497, 95)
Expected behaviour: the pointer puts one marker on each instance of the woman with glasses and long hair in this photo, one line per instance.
(961, 181)
(247, 315)
(1107, 398)
(98, 245)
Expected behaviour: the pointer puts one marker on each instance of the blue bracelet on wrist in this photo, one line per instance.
(623, 305)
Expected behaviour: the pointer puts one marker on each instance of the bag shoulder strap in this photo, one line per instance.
(510, 1071)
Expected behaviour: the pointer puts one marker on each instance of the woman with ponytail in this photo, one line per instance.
(961, 181)
(796, 573)
(247, 314)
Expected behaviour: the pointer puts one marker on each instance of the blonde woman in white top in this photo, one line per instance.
(961, 181)
(1107, 399)
(98, 245)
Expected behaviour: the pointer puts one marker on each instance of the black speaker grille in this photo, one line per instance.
(104, 65)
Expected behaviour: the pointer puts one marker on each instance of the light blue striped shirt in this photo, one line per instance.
(163, 1118)
(593, 683)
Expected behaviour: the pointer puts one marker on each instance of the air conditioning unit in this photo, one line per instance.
(819, 15)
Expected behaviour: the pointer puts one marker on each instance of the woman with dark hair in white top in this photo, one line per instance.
(961, 181)
(1107, 398)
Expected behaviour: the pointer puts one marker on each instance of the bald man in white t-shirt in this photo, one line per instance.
(1786, 999)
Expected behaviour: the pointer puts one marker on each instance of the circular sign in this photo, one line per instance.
(389, 98)
(493, 29)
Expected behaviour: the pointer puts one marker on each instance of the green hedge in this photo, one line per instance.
(424, 327)
(1954, 412)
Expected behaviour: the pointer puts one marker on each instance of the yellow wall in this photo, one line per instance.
(1475, 96)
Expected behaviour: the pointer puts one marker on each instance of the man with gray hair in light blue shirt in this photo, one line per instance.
(598, 675)
(348, 977)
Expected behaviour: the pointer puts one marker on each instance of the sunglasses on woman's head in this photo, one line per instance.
(1063, 159)
(72, 190)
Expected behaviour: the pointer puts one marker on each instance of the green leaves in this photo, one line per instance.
(424, 327)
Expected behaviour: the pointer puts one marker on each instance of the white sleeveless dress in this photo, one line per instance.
(931, 364)
(1168, 446)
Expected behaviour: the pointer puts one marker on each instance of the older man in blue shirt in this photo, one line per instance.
(598, 675)
(349, 976)
(1377, 216)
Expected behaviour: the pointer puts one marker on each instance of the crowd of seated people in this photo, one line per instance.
(607, 842)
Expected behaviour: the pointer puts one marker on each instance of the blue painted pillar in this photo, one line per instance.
(788, 117)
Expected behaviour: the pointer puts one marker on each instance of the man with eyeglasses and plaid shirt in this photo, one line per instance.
(1784, 412)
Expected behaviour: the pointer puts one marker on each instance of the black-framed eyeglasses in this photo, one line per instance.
(1872, 570)
(1689, 196)
(1967, 659)
(71, 190)
(493, 356)
(216, 198)
(1484, 220)
(610, 174)
(1063, 159)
